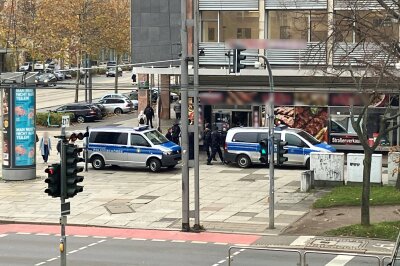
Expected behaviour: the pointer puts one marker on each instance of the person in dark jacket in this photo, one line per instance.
(149, 113)
(169, 134)
(207, 141)
(215, 146)
(176, 132)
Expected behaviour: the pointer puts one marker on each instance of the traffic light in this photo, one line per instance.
(237, 58)
(73, 136)
(281, 151)
(53, 180)
(264, 151)
(72, 169)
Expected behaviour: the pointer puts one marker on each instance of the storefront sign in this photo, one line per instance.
(24, 121)
(344, 139)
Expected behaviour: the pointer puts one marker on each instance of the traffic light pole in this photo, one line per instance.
(63, 218)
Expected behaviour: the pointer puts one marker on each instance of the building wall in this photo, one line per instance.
(155, 31)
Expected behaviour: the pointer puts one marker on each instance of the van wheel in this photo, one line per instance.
(154, 164)
(97, 162)
(80, 119)
(118, 111)
(308, 164)
(243, 161)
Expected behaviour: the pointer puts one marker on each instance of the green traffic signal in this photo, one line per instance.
(53, 180)
(263, 151)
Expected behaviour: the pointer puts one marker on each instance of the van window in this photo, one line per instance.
(277, 136)
(293, 140)
(109, 138)
(137, 140)
(250, 137)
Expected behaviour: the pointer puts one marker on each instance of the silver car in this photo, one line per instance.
(117, 105)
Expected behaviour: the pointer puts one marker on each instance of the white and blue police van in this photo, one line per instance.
(242, 145)
(133, 147)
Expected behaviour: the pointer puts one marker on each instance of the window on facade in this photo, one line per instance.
(238, 25)
(210, 26)
(318, 26)
(344, 26)
(288, 25)
(374, 26)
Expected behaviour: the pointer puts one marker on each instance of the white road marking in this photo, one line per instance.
(119, 238)
(227, 258)
(301, 240)
(178, 241)
(99, 237)
(82, 248)
(221, 261)
(340, 260)
(3, 235)
(51, 259)
(40, 263)
(220, 243)
(81, 236)
(42, 234)
(73, 251)
(92, 244)
(158, 240)
(199, 242)
(138, 239)
(23, 233)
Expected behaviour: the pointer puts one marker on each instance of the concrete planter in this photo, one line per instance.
(393, 167)
(355, 167)
(328, 168)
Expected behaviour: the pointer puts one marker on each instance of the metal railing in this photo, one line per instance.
(302, 254)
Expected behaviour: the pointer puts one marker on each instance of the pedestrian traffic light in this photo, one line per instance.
(72, 169)
(53, 180)
(237, 58)
(264, 151)
(281, 151)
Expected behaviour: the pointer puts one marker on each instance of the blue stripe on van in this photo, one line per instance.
(171, 145)
(244, 146)
(123, 149)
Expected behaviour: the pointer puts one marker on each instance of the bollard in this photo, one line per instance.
(305, 182)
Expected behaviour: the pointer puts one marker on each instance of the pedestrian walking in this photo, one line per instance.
(215, 145)
(169, 134)
(141, 118)
(45, 146)
(177, 109)
(149, 113)
(176, 132)
(207, 141)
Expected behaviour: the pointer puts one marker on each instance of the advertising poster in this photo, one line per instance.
(6, 128)
(24, 119)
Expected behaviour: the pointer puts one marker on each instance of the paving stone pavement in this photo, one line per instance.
(232, 199)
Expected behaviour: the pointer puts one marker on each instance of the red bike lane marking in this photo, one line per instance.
(131, 233)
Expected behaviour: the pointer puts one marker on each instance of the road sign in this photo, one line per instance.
(65, 121)
(65, 208)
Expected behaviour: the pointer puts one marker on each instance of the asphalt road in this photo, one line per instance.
(64, 92)
(42, 249)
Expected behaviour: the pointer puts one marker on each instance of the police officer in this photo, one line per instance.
(215, 145)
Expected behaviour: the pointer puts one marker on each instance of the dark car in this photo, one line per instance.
(102, 108)
(111, 72)
(45, 79)
(82, 111)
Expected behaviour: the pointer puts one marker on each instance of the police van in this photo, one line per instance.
(242, 145)
(134, 147)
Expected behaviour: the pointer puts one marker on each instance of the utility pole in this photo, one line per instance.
(196, 115)
(63, 218)
(184, 120)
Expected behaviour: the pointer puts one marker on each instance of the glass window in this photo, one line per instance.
(209, 26)
(344, 26)
(308, 137)
(288, 25)
(277, 136)
(249, 137)
(293, 140)
(374, 26)
(318, 26)
(156, 137)
(109, 138)
(138, 140)
(238, 25)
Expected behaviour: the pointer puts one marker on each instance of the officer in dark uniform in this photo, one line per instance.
(215, 145)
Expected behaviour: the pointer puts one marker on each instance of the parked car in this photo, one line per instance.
(242, 145)
(60, 75)
(68, 75)
(38, 65)
(27, 66)
(45, 79)
(102, 108)
(111, 72)
(111, 64)
(117, 105)
(83, 112)
(114, 95)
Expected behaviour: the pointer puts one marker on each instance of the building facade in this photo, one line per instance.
(305, 96)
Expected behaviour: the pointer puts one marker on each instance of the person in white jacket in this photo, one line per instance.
(141, 119)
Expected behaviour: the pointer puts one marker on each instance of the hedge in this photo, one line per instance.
(55, 118)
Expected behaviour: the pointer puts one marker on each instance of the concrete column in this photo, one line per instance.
(330, 41)
(143, 91)
(165, 97)
(261, 24)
